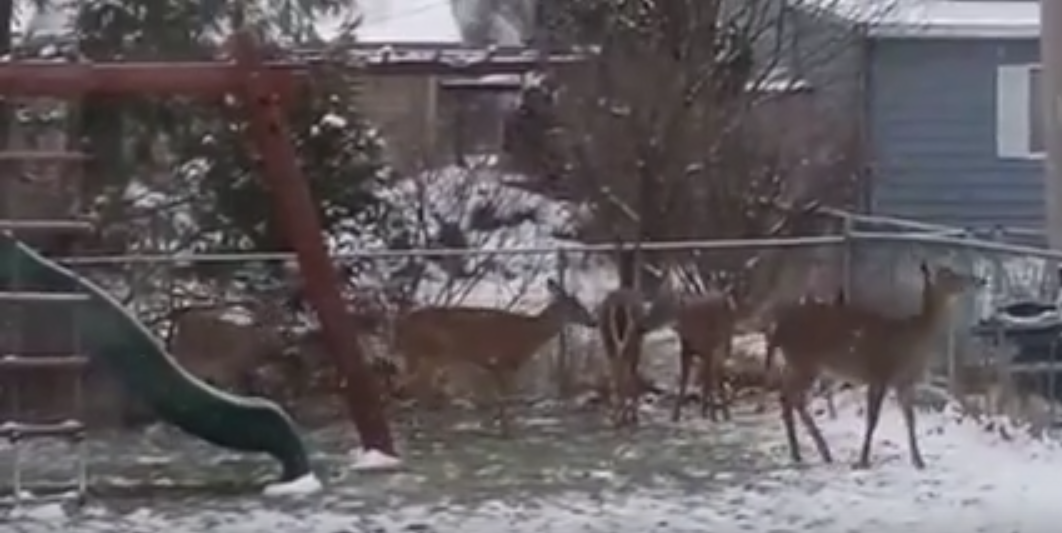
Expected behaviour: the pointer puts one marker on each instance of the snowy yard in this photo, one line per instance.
(666, 478)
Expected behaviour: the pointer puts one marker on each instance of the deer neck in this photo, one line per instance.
(548, 322)
(934, 310)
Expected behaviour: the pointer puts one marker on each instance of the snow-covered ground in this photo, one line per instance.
(977, 480)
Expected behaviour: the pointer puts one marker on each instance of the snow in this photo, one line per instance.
(47, 512)
(238, 316)
(407, 21)
(976, 479)
(373, 461)
(938, 18)
(307, 484)
(492, 216)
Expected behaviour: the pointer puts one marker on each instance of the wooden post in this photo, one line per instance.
(296, 212)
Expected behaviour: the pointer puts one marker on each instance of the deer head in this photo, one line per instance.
(944, 284)
(567, 308)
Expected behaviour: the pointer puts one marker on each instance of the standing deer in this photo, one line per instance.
(497, 342)
(623, 320)
(865, 347)
(706, 328)
(787, 321)
(222, 347)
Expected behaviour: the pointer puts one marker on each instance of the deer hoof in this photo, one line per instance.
(918, 463)
(861, 465)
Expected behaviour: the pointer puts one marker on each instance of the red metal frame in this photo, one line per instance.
(262, 87)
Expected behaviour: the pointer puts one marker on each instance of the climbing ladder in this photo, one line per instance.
(16, 363)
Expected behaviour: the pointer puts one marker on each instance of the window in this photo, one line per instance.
(474, 120)
(1019, 112)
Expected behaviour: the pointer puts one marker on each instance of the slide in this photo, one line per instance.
(111, 335)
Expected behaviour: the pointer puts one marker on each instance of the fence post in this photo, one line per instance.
(562, 360)
(951, 342)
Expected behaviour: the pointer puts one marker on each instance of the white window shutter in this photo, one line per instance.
(1012, 111)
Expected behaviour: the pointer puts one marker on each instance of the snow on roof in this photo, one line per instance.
(938, 18)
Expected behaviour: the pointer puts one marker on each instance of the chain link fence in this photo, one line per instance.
(874, 259)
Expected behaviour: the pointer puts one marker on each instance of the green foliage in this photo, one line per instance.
(204, 148)
(339, 155)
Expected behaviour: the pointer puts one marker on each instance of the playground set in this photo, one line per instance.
(109, 334)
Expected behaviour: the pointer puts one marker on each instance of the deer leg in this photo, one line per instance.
(905, 397)
(619, 393)
(875, 398)
(795, 387)
(632, 393)
(502, 390)
(831, 406)
(826, 387)
(704, 382)
(813, 429)
(788, 399)
(718, 362)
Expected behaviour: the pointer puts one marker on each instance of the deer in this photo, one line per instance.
(706, 327)
(221, 347)
(497, 342)
(788, 320)
(862, 346)
(624, 318)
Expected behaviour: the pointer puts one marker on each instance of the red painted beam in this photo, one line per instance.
(69, 80)
(295, 210)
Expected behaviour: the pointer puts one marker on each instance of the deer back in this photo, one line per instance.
(706, 320)
(485, 335)
(815, 329)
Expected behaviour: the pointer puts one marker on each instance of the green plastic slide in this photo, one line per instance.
(110, 334)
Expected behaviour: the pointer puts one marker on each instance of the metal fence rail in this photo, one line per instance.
(868, 253)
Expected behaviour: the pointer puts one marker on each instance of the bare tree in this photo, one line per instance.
(682, 123)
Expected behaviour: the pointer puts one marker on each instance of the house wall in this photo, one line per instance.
(403, 108)
(933, 115)
(830, 55)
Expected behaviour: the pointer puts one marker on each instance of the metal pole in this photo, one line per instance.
(1051, 90)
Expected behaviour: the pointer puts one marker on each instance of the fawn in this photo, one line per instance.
(865, 347)
(494, 341)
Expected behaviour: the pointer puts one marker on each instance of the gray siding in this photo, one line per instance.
(933, 132)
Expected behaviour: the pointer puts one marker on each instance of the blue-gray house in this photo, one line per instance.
(948, 95)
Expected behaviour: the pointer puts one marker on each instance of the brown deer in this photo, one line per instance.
(222, 346)
(705, 326)
(623, 319)
(865, 347)
(496, 342)
(788, 319)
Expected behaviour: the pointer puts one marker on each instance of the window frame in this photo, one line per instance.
(1014, 120)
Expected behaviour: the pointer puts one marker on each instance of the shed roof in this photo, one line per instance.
(937, 19)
